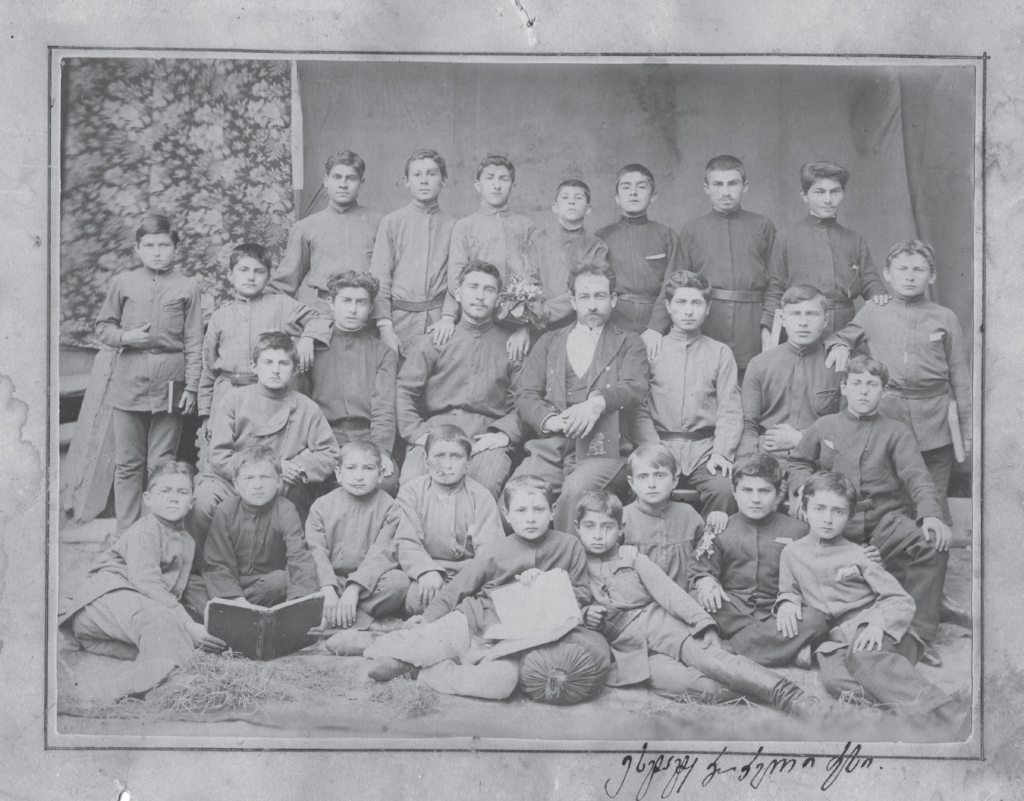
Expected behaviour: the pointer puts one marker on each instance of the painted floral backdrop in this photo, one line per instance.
(207, 142)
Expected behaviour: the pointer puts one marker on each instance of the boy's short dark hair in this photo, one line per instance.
(170, 467)
(590, 268)
(758, 465)
(656, 454)
(255, 454)
(448, 433)
(526, 484)
(640, 168)
(157, 224)
(684, 279)
(480, 267)
(274, 340)
(346, 158)
(912, 247)
(496, 161)
(434, 156)
(574, 182)
(725, 163)
(353, 278)
(815, 171)
(250, 250)
(798, 293)
(600, 501)
(869, 365)
(829, 482)
(363, 446)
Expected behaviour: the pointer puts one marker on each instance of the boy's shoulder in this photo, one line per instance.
(414, 490)
(478, 491)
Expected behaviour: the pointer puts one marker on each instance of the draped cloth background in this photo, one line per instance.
(906, 134)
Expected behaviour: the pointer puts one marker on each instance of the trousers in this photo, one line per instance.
(760, 641)
(141, 440)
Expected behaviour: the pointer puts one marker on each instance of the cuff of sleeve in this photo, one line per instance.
(783, 598)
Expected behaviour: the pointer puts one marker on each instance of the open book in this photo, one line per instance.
(526, 612)
(265, 633)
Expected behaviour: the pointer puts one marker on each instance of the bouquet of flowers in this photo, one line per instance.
(521, 303)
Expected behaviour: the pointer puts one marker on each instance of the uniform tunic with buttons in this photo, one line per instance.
(643, 254)
(693, 386)
(732, 250)
(786, 385)
(561, 249)
(469, 382)
(441, 527)
(922, 344)
(824, 254)
(170, 303)
(234, 329)
(410, 259)
(667, 538)
(744, 559)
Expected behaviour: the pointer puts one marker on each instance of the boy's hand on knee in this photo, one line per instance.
(716, 522)
(390, 338)
(201, 638)
(719, 462)
(782, 438)
(347, 605)
(869, 638)
(709, 639)
(872, 553)
(933, 527)
(490, 441)
(786, 620)
(710, 594)
(594, 616)
(429, 583)
(330, 614)
(442, 330)
(652, 341)
(291, 472)
(518, 345)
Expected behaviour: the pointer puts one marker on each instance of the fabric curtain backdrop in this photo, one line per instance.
(906, 135)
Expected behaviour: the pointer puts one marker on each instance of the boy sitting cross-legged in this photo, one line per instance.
(463, 607)
(871, 648)
(446, 517)
(351, 534)
(657, 632)
(255, 550)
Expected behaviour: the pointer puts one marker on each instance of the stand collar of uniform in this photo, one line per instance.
(757, 523)
(640, 219)
(858, 417)
(490, 211)
(341, 209)
(685, 336)
(341, 332)
(726, 215)
(448, 489)
(534, 543)
(255, 511)
(178, 526)
(821, 222)
(917, 300)
(608, 556)
(250, 301)
(275, 394)
(474, 327)
(158, 273)
(806, 350)
(432, 209)
(659, 514)
(570, 231)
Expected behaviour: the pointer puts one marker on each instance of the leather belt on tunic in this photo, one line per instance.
(418, 305)
(645, 299)
(689, 436)
(241, 379)
(351, 424)
(738, 295)
(838, 303)
(920, 393)
(875, 500)
(158, 350)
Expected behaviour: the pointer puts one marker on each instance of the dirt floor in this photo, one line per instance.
(314, 694)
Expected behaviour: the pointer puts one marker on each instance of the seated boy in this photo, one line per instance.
(233, 328)
(871, 649)
(129, 606)
(446, 517)
(497, 236)
(563, 245)
(463, 608)
(732, 248)
(353, 380)
(255, 549)
(266, 413)
(340, 237)
(735, 574)
(579, 390)
(410, 257)
(657, 632)
(468, 381)
(819, 251)
(787, 388)
(693, 405)
(351, 534)
(642, 253)
(880, 456)
(662, 530)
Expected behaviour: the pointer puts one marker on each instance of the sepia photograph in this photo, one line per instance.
(515, 403)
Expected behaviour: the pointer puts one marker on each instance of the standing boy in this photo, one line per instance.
(353, 380)
(819, 251)
(871, 648)
(497, 236)
(469, 381)
(562, 245)
(410, 257)
(579, 391)
(732, 248)
(255, 549)
(152, 315)
(340, 237)
(693, 405)
(446, 517)
(233, 328)
(899, 511)
(641, 252)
